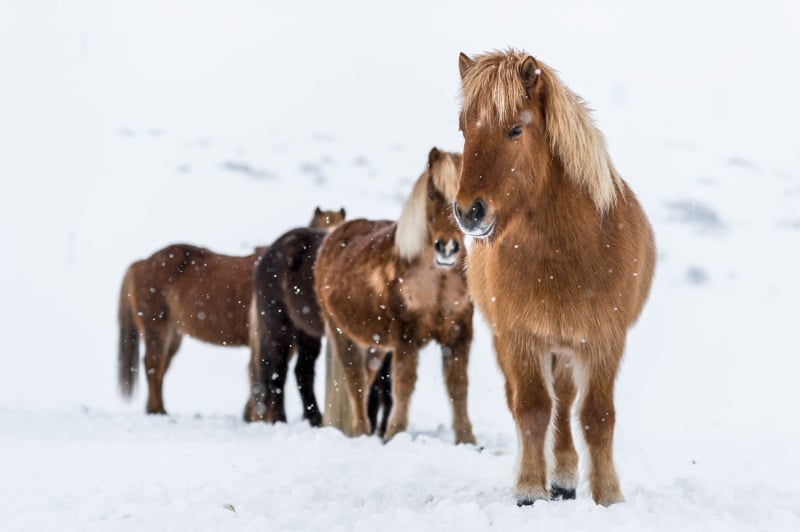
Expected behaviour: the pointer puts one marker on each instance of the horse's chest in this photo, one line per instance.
(419, 292)
(522, 291)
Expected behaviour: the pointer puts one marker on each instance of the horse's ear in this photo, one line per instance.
(434, 156)
(464, 64)
(341, 211)
(317, 211)
(530, 72)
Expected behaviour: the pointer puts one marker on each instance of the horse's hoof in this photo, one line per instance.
(557, 493)
(465, 438)
(527, 497)
(611, 498)
(315, 420)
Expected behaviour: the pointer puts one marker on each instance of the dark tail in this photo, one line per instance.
(128, 355)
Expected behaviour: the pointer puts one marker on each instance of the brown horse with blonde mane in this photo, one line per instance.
(185, 290)
(395, 287)
(561, 266)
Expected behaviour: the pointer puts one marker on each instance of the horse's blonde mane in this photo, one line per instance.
(412, 226)
(494, 92)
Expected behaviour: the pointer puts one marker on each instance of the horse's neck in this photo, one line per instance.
(564, 216)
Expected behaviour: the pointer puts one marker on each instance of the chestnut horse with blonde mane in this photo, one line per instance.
(185, 290)
(561, 266)
(385, 286)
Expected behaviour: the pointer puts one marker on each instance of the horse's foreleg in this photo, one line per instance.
(404, 379)
(564, 480)
(529, 381)
(454, 362)
(308, 348)
(598, 416)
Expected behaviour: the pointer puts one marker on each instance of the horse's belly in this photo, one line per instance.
(220, 323)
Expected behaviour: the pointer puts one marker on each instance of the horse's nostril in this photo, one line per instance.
(457, 212)
(438, 246)
(455, 246)
(477, 211)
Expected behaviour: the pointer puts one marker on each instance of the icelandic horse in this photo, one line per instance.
(385, 286)
(561, 266)
(184, 290)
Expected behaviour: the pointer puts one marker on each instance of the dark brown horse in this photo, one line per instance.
(285, 319)
(185, 290)
(395, 287)
(561, 266)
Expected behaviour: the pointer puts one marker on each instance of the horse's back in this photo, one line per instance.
(357, 238)
(196, 291)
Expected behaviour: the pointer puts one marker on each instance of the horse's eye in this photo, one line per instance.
(515, 132)
(430, 196)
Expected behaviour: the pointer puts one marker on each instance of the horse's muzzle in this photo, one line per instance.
(473, 222)
(446, 252)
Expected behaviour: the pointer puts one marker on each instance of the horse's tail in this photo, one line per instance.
(128, 354)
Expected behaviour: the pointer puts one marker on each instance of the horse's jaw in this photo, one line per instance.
(445, 262)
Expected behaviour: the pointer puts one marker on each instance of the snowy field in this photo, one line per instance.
(125, 126)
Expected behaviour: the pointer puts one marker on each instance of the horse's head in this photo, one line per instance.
(427, 218)
(523, 129)
(327, 219)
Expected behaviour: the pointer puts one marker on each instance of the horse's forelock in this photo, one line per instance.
(493, 91)
(491, 88)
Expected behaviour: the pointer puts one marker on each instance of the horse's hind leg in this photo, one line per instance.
(268, 367)
(308, 348)
(155, 362)
(564, 480)
(454, 362)
(598, 417)
(526, 365)
(404, 379)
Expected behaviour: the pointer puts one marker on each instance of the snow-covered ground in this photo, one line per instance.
(128, 125)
